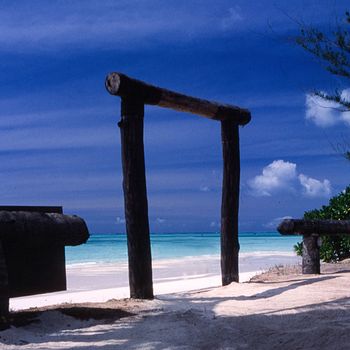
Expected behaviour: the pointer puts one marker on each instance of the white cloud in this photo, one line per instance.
(326, 113)
(277, 175)
(215, 224)
(234, 16)
(322, 113)
(124, 23)
(345, 116)
(313, 187)
(182, 179)
(345, 95)
(57, 138)
(120, 220)
(283, 176)
(275, 222)
(160, 220)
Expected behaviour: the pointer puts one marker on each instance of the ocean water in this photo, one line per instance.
(113, 247)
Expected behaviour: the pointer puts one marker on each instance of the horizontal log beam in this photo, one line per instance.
(55, 228)
(319, 227)
(121, 85)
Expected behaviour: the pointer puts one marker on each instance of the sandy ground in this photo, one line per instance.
(102, 282)
(280, 309)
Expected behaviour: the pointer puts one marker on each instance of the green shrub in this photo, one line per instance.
(333, 248)
(298, 248)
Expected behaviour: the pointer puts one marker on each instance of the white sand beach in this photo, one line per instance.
(278, 310)
(102, 282)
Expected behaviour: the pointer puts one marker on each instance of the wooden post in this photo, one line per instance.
(4, 287)
(230, 202)
(311, 255)
(311, 231)
(135, 199)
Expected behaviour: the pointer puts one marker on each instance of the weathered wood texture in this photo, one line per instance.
(126, 87)
(311, 231)
(135, 94)
(33, 249)
(311, 255)
(135, 198)
(230, 202)
(320, 227)
(38, 227)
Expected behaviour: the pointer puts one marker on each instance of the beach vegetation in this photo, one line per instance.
(333, 248)
(332, 48)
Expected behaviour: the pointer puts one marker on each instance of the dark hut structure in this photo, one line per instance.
(32, 255)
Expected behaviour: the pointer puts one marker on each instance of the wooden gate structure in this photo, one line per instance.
(134, 95)
(312, 230)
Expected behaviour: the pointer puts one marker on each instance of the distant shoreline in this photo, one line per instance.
(104, 248)
(242, 255)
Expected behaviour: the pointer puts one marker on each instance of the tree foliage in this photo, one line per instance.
(334, 50)
(333, 248)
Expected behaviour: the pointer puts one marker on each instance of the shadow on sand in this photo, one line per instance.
(191, 323)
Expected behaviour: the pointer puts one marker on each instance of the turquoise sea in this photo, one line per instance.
(113, 247)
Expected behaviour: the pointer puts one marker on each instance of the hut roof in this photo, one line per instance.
(35, 227)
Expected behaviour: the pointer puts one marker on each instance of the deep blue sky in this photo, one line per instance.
(59, 140)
